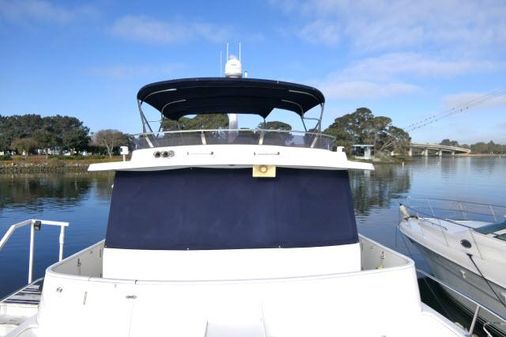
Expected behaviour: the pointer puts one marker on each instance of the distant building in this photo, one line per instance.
(363, 151)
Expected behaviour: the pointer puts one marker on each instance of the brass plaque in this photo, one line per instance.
(264, 171)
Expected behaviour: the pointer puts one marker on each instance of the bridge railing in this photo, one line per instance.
(447, 148)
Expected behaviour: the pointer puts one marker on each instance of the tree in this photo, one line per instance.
(449, 142)
(24, 145)
(44, 139)
(354, 128)
(489, 147)
(53, 132)
(362, 127)
(276, 138)
(69, 132)
(203, 121)
(275, 125)
(5, 142)
(399, 140)
(377, 131)
(17, 127)
(110, 139)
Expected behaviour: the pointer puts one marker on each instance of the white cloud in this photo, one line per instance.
(463, 110)
(337, 89)
(150, 30)
(470, 100)
(372, 25)
(390, 75)
(321, 32)
(28, 11)
(409, 64)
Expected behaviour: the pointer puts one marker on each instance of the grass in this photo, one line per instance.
(38, 163)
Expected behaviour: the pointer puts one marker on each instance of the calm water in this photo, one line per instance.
(79, 198)
(83, 200)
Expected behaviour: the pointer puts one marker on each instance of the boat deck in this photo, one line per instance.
(29, 295)
(454, 226)
(18, 306)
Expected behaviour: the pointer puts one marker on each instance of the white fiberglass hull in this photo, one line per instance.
(468, 283)
(453, 265)
(381, 299)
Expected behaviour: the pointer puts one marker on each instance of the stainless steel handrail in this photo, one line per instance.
(493, 210)
(479, 306)
(236, 130)
(35, 224)
(489, 334)
(260, 134)
(464, 207)
(455, 200)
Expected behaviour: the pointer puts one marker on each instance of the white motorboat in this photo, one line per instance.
(230, 232)
(464, 245)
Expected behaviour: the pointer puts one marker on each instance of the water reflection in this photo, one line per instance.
(487, 165)
(82, 199)
(377, 188)
(33, 191)
(103, 185)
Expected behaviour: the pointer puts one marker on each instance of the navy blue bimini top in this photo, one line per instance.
(209, 95)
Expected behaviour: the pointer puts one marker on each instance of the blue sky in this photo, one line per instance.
(408, 60)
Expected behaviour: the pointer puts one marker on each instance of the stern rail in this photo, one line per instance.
(36, 225)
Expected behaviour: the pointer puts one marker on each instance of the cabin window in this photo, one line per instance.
(206, 208)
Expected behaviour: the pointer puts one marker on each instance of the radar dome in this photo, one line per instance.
(233, 67)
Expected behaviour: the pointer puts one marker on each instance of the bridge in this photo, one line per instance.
(437, 148)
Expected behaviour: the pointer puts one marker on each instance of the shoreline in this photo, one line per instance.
(43, 164)
(482, 155)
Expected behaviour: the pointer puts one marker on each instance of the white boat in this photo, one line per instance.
(231, 232)
(464, 245)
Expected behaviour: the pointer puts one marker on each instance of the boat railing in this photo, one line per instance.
(234, 136)
(446, 209)
(437, 214)
(478, 307)
(35, 225)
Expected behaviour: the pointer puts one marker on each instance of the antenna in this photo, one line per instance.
(221, 63)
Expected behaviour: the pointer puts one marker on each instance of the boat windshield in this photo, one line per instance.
(206, 208)
(235, 136)
(493, 228)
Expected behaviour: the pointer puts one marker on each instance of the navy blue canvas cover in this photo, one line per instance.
(210, 95)
(206, 208)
